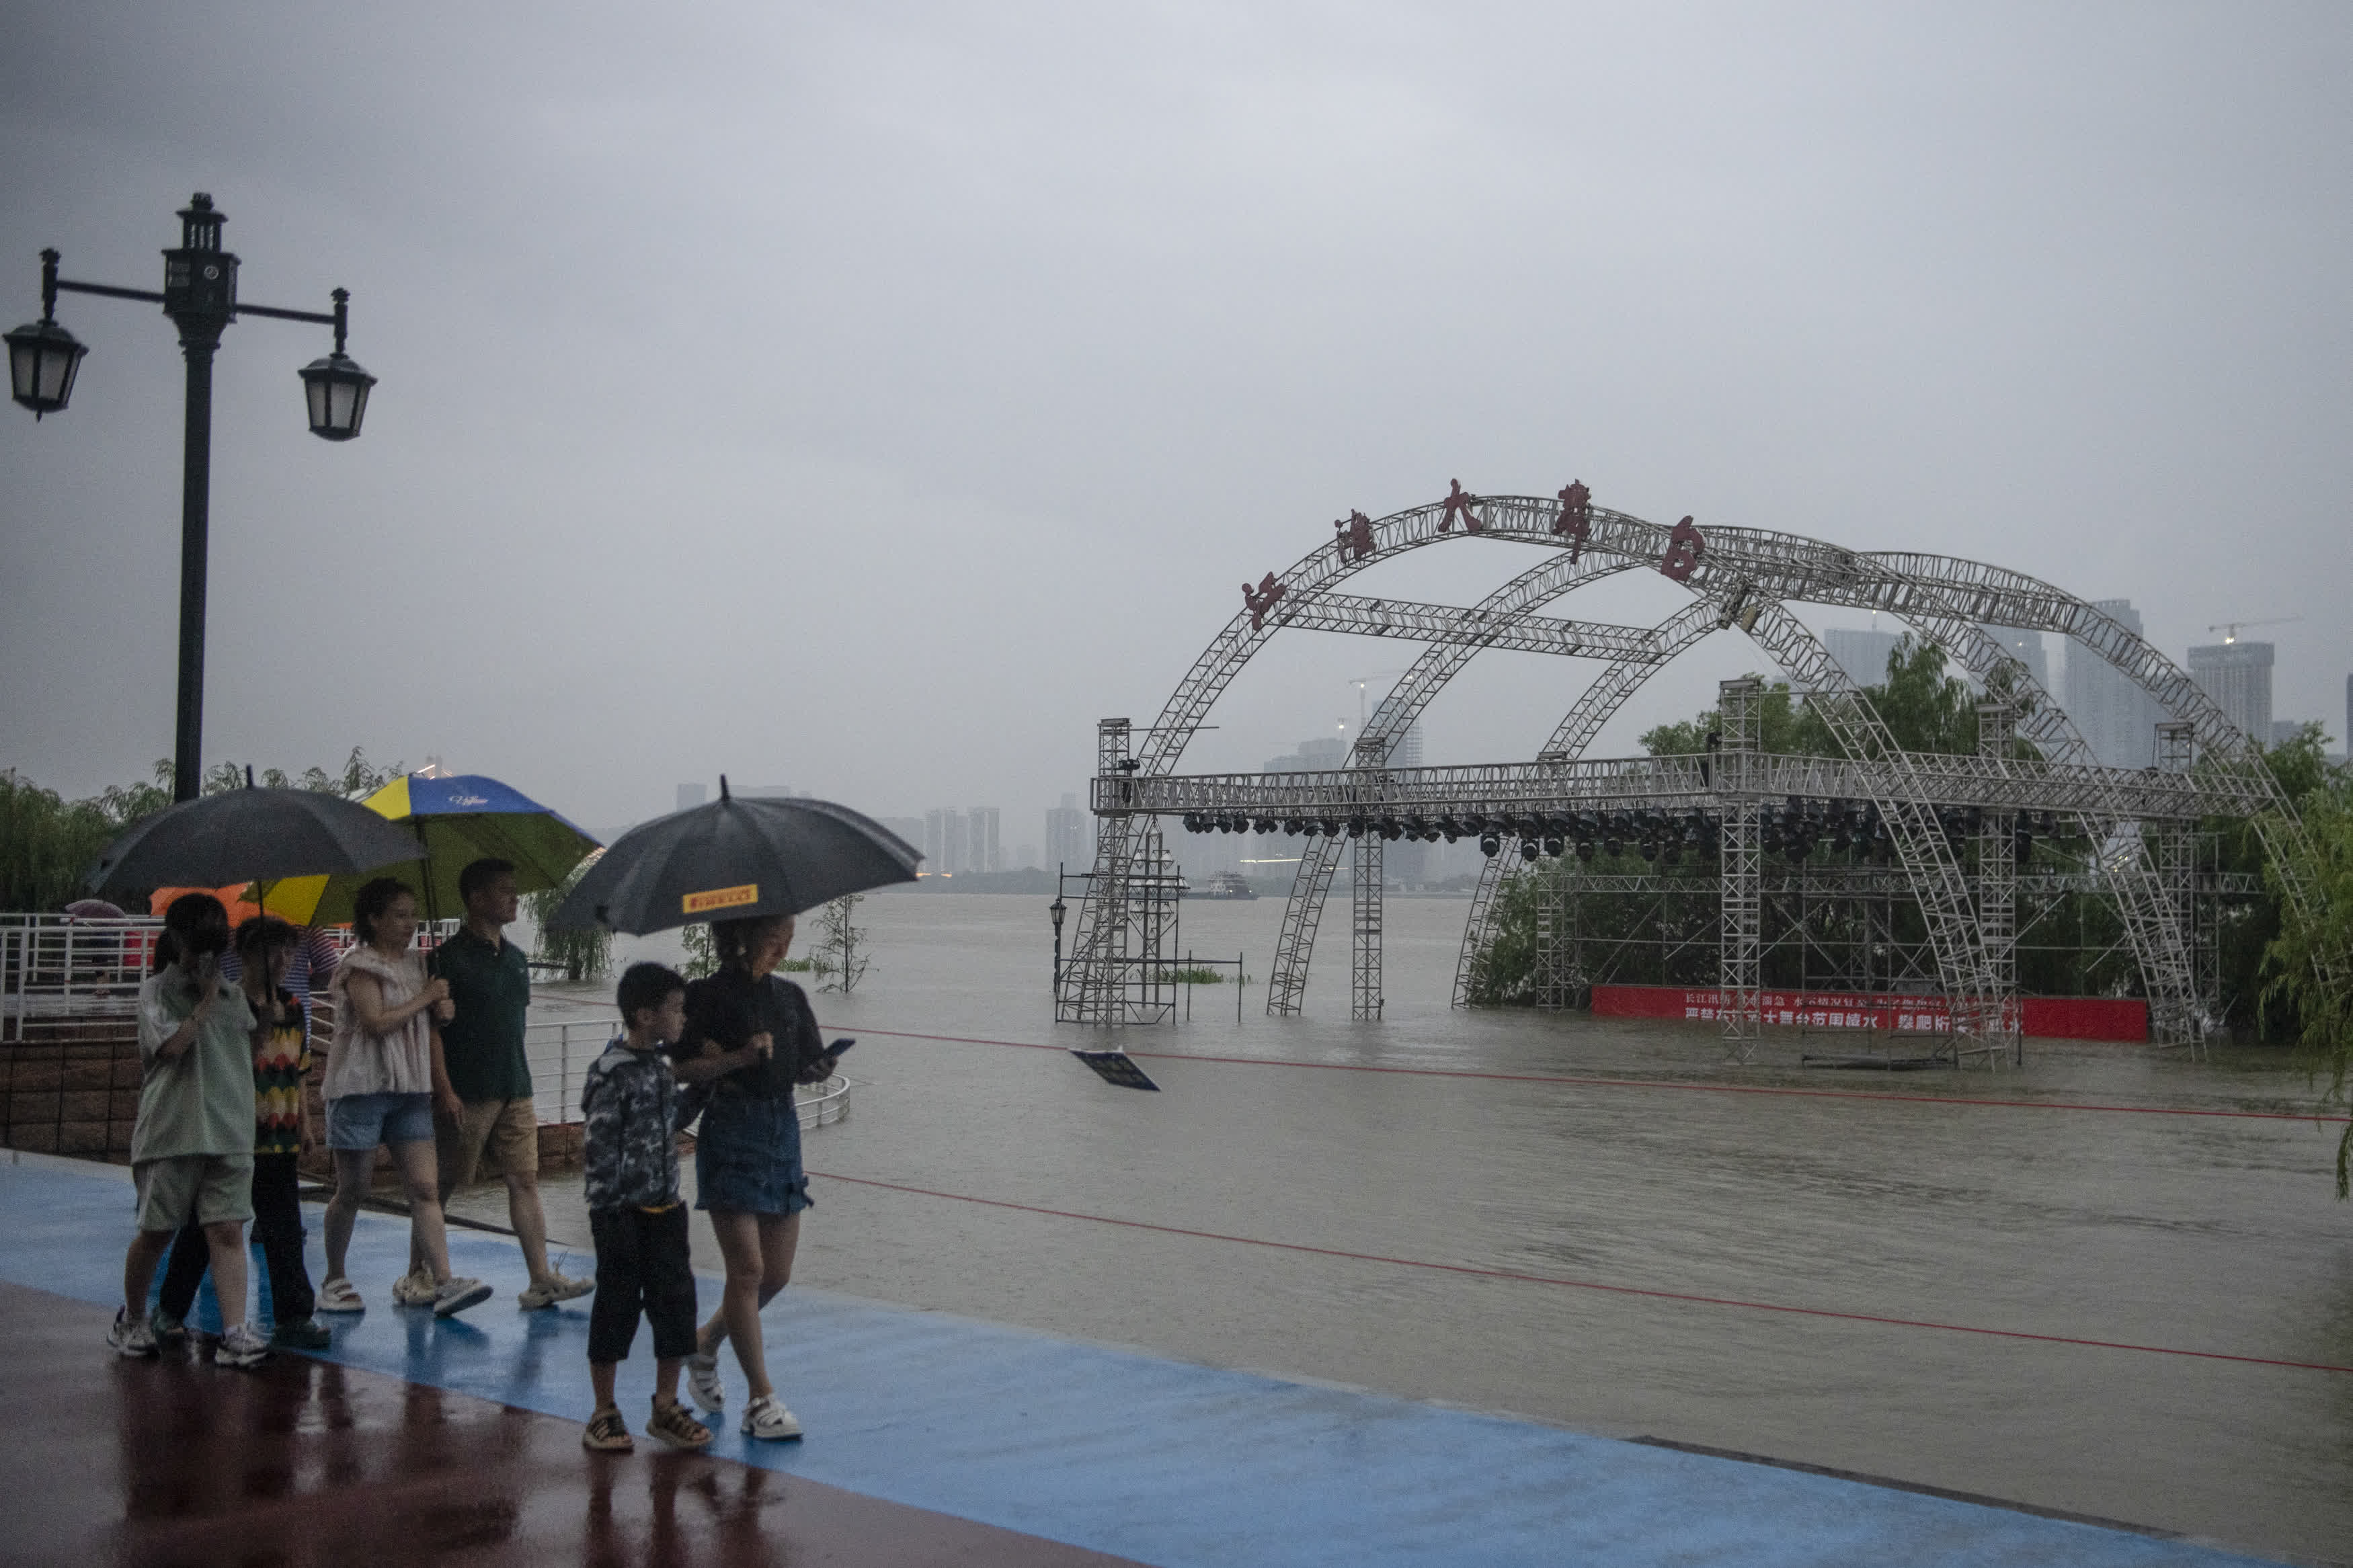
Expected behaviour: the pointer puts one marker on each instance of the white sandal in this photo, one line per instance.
(338, 1295)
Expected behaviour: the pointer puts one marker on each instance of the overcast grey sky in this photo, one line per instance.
(871, 397)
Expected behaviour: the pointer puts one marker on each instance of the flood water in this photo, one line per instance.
(2181, 1232)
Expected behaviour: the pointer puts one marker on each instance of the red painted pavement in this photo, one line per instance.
(302, 1462)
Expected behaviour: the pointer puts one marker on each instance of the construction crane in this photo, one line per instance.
(2230, 629)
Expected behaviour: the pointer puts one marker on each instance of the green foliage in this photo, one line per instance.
(48, 844)
(2247, 927)
(1612, 930)
(838, 957)
(2307, 956)
(586, 953)
(1925, 709)
(702, 953)
(358, 779)
(1783, 725)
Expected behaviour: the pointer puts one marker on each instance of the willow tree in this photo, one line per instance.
(2304, 960)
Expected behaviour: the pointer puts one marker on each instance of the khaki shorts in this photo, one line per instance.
(497, 1138)
(212, 1188)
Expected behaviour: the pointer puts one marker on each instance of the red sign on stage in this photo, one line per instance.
(1355, 536)
(1684, 547)
(1575, 519)
(1262, 599)
(1458, 503)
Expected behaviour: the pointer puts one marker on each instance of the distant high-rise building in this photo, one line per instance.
(956, 847)
(1861, 653)
(2285, 729)
(2238, 677)
(2116, 719)
(980, 850)
(2345, 740)
(1068, 841)
(690, 796)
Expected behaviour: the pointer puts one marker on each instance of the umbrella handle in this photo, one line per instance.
(424, 859)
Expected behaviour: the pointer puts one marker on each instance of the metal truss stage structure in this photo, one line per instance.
(1953, 829)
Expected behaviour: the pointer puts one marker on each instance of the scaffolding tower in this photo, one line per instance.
(1741, 919)
(1121, 962)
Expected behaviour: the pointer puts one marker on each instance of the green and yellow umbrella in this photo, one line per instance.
(457, 819)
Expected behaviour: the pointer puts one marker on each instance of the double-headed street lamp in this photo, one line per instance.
(200, 295)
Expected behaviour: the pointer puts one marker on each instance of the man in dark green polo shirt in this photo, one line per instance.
(482, 1079)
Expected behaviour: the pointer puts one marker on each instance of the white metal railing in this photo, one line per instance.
(559, 1050)
(59, 967)
(63, 966)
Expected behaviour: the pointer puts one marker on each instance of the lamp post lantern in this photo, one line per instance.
(42, 355)
(200, 295)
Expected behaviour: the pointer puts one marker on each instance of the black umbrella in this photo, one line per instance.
(733, 859)
(250, 835)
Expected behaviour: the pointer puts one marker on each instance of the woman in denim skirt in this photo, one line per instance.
(749, 1037)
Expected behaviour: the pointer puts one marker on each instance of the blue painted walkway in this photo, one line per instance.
(1161, 1461)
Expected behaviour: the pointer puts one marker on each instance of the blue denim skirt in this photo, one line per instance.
(747, 1157)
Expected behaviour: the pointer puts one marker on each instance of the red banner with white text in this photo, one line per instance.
(2118, 1018)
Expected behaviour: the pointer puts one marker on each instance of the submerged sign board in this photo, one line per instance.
(2121, 1018)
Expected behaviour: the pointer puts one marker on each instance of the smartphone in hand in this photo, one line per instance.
(838, 1047)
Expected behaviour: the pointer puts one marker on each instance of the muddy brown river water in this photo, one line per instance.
(1886, 1198)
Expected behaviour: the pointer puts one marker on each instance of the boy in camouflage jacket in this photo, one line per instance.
(630, 1100)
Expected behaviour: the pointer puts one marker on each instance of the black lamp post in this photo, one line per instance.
(1055, 911)
(200, 295)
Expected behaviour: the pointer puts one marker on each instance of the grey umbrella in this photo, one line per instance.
(733, 859)
(250, 835)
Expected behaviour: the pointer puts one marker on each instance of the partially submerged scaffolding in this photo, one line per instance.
(1948, 832)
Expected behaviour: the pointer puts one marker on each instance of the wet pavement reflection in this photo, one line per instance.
(301, 1462)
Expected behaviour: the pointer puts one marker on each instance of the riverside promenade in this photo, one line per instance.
(933, 1438)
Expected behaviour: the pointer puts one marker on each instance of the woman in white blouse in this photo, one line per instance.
(380, 1090)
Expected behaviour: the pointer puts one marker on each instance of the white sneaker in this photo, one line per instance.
(241, 1346)
(130, 1336)
(416, 1287)
(702, 1385)
(766, 1417)
(339, 1294)
(458, 1295)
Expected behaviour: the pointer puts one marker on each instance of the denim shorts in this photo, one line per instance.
(364, 1120)
(747, 1157)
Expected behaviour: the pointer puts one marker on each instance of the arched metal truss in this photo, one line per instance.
(1741, 577)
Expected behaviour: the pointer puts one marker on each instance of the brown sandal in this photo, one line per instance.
(673, 1425)
(607, 1433)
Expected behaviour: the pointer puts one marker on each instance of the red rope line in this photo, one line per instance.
(1650, 1083)
(1562, 1282)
